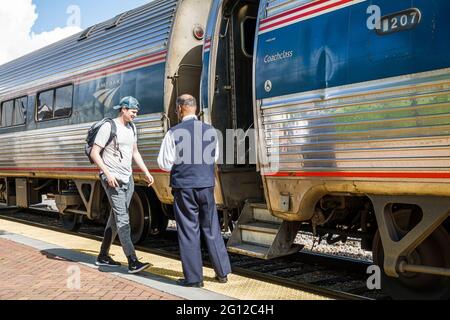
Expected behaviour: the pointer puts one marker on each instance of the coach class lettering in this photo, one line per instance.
(279, 56)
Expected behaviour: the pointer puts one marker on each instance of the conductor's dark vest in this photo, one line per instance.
(194, 167)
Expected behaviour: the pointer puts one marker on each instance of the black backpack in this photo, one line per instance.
(92, 134)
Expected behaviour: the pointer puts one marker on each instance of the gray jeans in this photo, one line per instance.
(119, 218)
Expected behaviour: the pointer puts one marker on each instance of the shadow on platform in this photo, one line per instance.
(152, 273)
(4, 233)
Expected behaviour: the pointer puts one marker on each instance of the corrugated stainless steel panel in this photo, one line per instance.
(63, 147)
(400, 123)
(142, 31)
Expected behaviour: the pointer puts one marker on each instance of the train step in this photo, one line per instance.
(261, 213)
(259, 234)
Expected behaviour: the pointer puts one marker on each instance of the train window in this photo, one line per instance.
(63, 102)
(13, 112)
(45, 105)
(54, 104)
(20, 110)
(248, 30)
(7, 113)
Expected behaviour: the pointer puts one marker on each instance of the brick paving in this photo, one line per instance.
(27, 274)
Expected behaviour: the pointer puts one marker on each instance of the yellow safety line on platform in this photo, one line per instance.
(238, 287)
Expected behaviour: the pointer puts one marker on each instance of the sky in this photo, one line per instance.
(53, 13)
(27, 25)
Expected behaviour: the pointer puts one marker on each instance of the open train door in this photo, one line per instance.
(227, 97)
(228, 101)
(209, 60)
(187, 77)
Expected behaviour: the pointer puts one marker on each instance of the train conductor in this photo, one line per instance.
(189, 152)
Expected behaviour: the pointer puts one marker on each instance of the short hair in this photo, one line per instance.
(186, 101)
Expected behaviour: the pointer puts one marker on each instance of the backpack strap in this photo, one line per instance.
(113, 134)
(113, 137)
(133, 126)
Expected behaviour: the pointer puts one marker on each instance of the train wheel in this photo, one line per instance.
(139, 217)
(71, 222)
(434, 251)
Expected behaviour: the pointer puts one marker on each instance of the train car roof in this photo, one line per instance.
(134, 33)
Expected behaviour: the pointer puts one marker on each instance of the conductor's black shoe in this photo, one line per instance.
(184, 283)
(106, 261)
(135, 266)
(221, 279)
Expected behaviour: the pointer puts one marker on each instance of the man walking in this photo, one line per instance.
(191, 161)
(116, 176)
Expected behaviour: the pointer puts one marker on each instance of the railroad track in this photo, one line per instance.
(329, 276)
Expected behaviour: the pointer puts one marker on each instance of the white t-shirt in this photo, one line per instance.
(118, 163)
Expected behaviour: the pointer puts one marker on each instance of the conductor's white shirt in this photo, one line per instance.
(167, 155)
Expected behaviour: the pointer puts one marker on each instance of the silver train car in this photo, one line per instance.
(50, 98)
(350, 118)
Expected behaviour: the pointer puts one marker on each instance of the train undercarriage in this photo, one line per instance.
(77, 200)
(422, 272)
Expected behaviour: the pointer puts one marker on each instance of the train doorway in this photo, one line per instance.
(186, 80)
(232, 107)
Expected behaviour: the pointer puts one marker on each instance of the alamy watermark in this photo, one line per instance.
(236, 147)
(374, 20)
(74, 278)
(74, 13)
(374, 280)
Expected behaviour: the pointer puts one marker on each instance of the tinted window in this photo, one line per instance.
(63, 102)
(20, 109)
(13, 112)
(7, 113)
(45, 105)
(248, 35)
(56, 103)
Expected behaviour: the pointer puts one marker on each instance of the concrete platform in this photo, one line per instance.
(159, 280)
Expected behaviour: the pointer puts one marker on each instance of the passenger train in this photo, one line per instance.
(347, 102)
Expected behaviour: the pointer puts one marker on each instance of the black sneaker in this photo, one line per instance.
(135, 266)
(106, 261)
